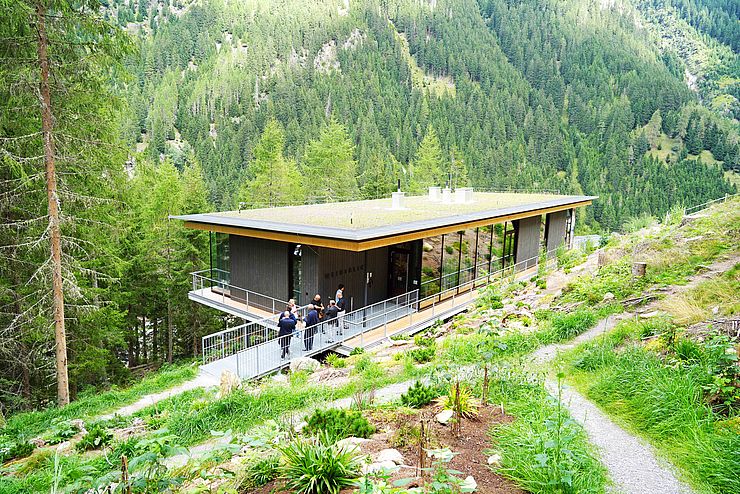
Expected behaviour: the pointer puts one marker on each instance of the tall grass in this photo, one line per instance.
(31, 424)
(666, 405)
(543, 450)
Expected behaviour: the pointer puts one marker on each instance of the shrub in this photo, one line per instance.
(336, 361)
(13, 451)
(422, 355)
(419, 395)
(338, 424)
(96, 437)
(489, 298)
(61, 431)
(467, 402)
(358, 350)
(259, 472)
(421, 340)
(316, 466)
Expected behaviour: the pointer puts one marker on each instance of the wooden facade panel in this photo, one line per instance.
(556, 225)
(528, 231)
(259, 265)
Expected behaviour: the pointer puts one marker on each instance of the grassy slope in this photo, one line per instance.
(664, 403)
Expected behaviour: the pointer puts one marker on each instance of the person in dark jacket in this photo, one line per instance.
(312, 319)
(331, 317)
(286, 326)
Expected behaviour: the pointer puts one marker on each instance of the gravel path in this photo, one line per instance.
(203, 380)
(632, 463)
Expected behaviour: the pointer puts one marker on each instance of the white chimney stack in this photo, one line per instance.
(397, 200)
(446, 195)
(434, 194)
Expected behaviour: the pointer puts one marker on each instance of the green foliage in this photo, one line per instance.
(336, 361)
(543, 449)
(419, 395)
(61, 431)
(422, 355)
(464, 402)
(358, 350)
(564, 326)
(427, 167)
(424, 341)
(259, 471)
(13, 451)
(339, 423)
(318, 466)
(329, 165)
(96, 437)
(489, 298)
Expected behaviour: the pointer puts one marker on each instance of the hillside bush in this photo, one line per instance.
(336, 361)
(422, 355)
(258, 472)
(338, 424)
(97, 437)
(419, 395)
(318, 466)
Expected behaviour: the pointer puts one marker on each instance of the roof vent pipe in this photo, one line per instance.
(435, 194)
(446, 195)
(397, 200)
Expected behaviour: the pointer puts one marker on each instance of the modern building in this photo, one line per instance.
(400, 251)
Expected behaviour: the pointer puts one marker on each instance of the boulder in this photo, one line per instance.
(444, 417)
(280, 378)
(390, 455)
(328, 375)
(304, 364)
(38, 442)
(608, 296)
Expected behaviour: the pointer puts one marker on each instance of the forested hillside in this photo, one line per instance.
(152, 108)
(528, 95)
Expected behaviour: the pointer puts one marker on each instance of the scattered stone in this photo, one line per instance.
(444, 417)
(608, 296)
(469, 484)
(229, 383)
(304, 363)
(280, 378)
(715, 310)
(400, 342)
(300, 426)
(352, 443)
(495, 460)
(387, 466)
(138, 422)
(78, 424)
(330, 376)
(648, 315)
(392, 455)
(38, 442)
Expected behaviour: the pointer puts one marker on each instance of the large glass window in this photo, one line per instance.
(431, 261)
(220, 258)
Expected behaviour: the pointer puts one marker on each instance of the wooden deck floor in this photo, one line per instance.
(216, 300)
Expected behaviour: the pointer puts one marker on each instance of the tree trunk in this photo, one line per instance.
(47, 121)
(143, 337)
(155, 349)
(170, 330)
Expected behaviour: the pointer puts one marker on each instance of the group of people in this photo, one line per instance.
(290, 320)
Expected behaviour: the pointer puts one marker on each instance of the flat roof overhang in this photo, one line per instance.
(370, 238)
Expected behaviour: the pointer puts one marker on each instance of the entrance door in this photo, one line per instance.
(398, 282)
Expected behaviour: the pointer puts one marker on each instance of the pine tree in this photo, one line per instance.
(275, 179)
(329, 165)
(380, 176)
(426, 170)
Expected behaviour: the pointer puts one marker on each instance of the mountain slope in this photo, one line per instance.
(530, 94)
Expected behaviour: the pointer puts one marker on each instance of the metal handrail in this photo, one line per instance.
(328, 336)
(706, 205)
(251, 298)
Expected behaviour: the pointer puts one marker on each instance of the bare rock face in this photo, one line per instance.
(329, 376)
(304, 363)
